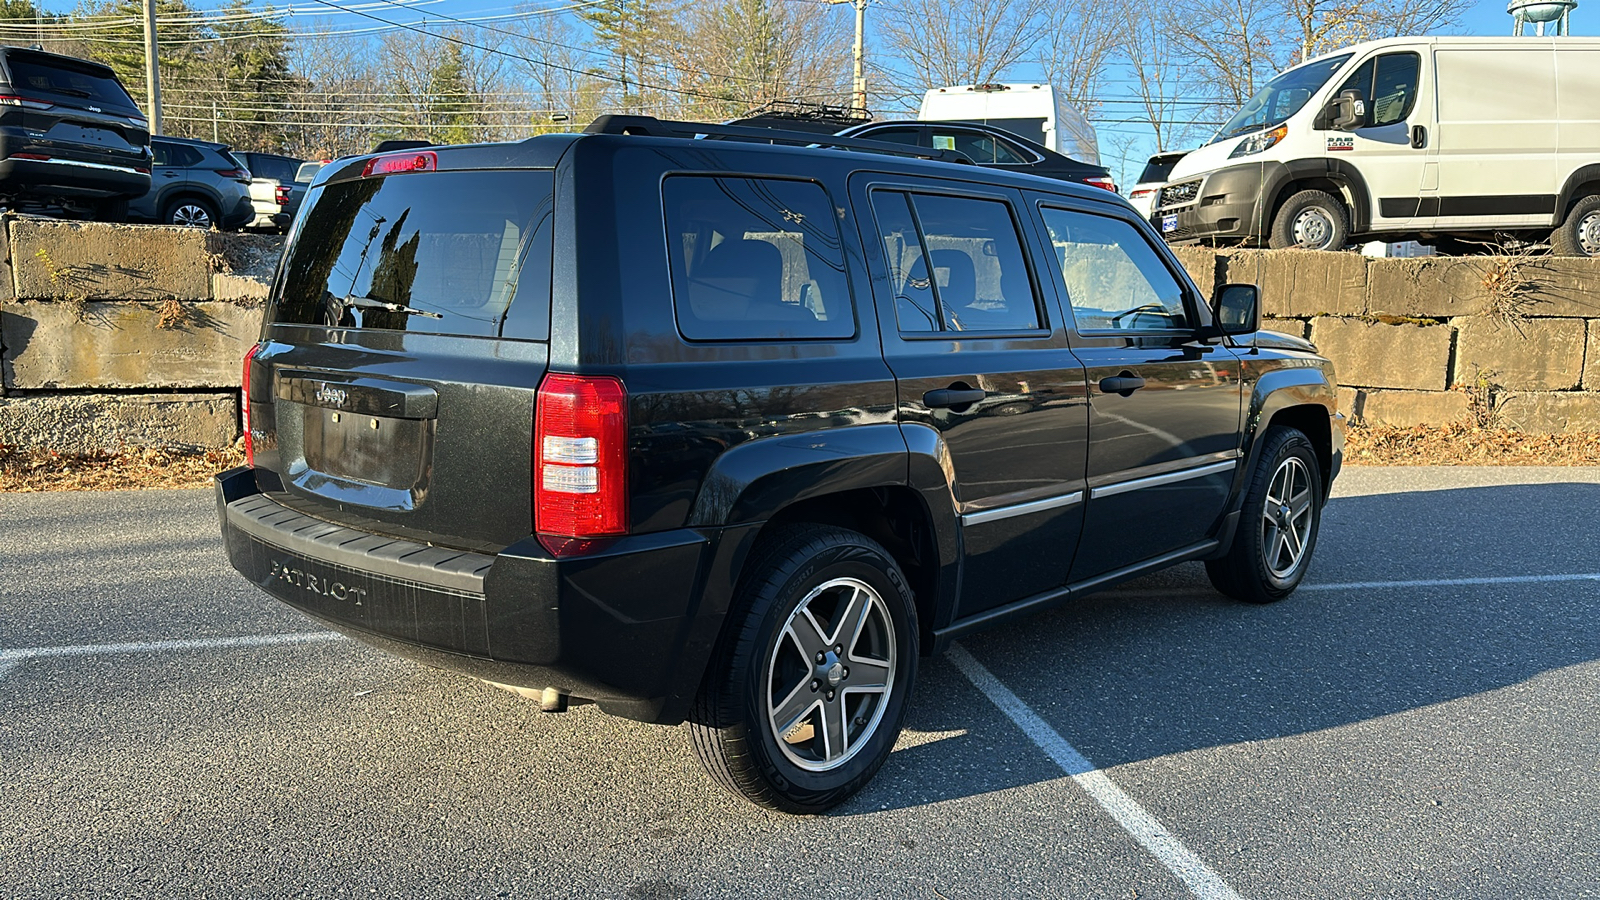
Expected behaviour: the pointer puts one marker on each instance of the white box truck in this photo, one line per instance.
(1410, 138)
(1037, 112)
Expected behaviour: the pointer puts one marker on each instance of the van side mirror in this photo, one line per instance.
(1348, 110)
(1237, 308)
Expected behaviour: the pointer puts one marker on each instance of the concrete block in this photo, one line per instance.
(95, 261)
(1538, 355)
(247, 255)
(8, 272)
(1300, 328)
(1591, 358)
(1427, 287)
(85, 423)
(1405, 408)
(239, 289)
(1201, 264)
(125, 345)
(1564, 286)
(1372, 354)
(1300, 283)
(1552, 412)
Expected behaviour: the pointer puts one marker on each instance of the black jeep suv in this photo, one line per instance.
(70, 135)
(735, 432)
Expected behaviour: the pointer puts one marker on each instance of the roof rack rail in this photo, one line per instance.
(653, 127)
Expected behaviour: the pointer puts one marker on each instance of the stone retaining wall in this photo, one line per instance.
(116, 336)
(1509, 341)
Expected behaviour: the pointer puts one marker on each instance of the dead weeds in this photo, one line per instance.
(24, 469)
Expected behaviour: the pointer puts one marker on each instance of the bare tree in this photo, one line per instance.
(967, 41)
(740, 55)
(1077, 49)
(1235, 44)
(1326, 25)
(1161, 84)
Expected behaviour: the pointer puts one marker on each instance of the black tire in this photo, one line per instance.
(1579, 233)
(1261, 566)
(115, 211)
(808, 566)
(195, 212)
(1310, 220)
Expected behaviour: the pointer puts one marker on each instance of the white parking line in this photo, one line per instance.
(1448, 582)
(11, 657)
(1143, 827)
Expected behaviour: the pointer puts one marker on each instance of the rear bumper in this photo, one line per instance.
(624, 626)
(64, 177)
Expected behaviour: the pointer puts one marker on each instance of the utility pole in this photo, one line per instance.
(860, 84)
(152, 67)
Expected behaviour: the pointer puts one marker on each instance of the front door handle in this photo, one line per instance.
(944, 398)
(1419, 137)
(1121, 384)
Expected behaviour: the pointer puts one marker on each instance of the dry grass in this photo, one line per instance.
(30, 469)
(1463, 444)
(23, 469)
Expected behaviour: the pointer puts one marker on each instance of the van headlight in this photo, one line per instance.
(1256, 143)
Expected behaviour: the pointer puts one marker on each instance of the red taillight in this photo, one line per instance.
(244, 407)
(1144, 193)
(282, 195)
(395, 163)
(233, 173)
(24, 102)
(580, 459)
(38, 156)
(1101, 181)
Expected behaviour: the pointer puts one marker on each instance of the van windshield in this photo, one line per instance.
(1281, 98)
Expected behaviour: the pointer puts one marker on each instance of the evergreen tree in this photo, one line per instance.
(452, 99)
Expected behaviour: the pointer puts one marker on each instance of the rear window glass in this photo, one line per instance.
(263, 166)
(42, 75)
(1156, 171)
(432, 252)
(755, 259)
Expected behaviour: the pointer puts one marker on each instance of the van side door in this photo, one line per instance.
(1164, 405)
(1497, 136)
(982, 366)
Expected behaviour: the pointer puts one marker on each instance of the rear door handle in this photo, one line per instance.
(1419, 137)
(1121, 384)
(944, 398)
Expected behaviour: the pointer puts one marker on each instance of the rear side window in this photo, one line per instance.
(175, 155)
(42, 75)
(755, 259)
(979, 147)
(432, 252)
(955, 263)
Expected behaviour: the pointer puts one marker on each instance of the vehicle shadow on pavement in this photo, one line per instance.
(1166, 665)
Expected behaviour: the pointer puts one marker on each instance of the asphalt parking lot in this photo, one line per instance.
(1420, 720)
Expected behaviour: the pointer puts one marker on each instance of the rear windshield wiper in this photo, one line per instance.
(369, 303)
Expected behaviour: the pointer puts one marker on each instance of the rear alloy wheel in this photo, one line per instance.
(1579, 233)
(1278, 525)
(1310, 220)
(191, 213)
(805, 698)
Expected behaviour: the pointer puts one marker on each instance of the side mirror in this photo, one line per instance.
(1348, 110)
(1237, 308)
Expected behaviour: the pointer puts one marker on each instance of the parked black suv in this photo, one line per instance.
(70, 136)
(736, 433)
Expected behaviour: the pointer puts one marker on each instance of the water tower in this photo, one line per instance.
(1541, 13)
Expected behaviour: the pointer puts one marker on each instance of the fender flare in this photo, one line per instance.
(1589, 174)
(1272, 393)
(1338, 171)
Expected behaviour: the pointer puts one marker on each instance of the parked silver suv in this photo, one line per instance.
(195, 183)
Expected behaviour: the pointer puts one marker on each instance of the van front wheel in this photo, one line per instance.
(1310, 220)
(1579, 233)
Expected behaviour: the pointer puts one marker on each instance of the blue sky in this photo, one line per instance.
(1487, 17)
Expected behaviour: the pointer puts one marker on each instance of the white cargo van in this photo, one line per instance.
(1405, 138)
(1034, 111)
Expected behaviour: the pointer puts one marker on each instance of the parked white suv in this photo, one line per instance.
(1404, 139)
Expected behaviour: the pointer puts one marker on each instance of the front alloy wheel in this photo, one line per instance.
(1278, 523)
